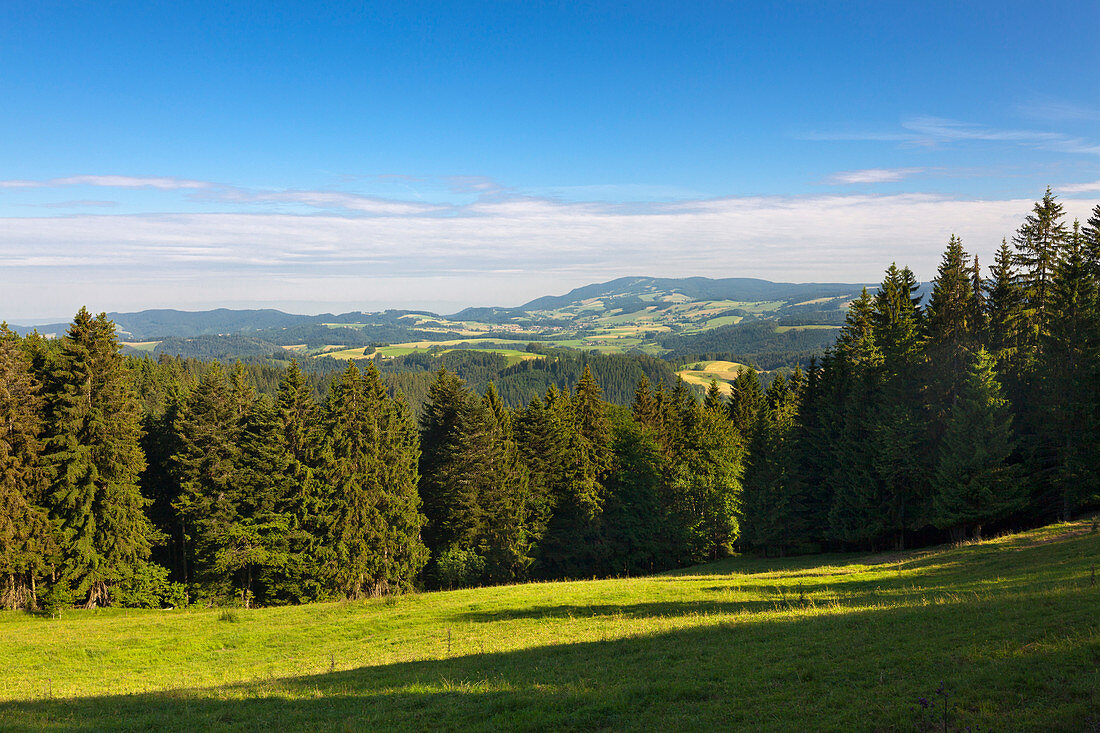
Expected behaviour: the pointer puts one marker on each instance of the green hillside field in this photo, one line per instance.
(1009, 627)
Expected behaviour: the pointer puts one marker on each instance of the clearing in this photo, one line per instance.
(838, 642)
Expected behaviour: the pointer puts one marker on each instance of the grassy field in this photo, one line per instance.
(146, 346)
(1010, 627)
(702, 372)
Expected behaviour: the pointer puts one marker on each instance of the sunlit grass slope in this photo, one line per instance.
(1010, 626)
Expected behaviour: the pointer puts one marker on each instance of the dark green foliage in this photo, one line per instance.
(1039, 242)
(1005, 312)
(746, 402)
(756, 342)
(973, 483)
(1069, 357)
(27, 543)
(775, 515)
(93, 454)
(306, 502)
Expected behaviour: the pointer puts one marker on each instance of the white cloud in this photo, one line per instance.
(525, 242)
(1080, 187)
(161, 183)
(1057, 110)
(321, 200)
(873, 175)
(933, 131)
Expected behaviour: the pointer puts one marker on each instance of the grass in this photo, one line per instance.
(146, 346)
(1010, 626)
(702, 372)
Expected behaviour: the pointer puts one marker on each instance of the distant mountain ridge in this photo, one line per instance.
(695, 288)
(156, 324)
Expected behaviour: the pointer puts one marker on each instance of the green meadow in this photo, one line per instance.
(1010, 626)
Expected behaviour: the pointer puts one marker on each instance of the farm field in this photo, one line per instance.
(841, 642)
(702, 372)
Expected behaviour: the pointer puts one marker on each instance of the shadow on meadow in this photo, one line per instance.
(1013, 662)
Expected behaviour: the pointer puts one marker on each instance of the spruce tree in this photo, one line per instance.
(1005, 305)
(952, 329)
(951, 324)
(644, 407)
(1039, 243)
(1090, 232)
(350, 469)
(1070, 352)
(507, 542)
(404, 553)
(207, 433)
(773, 510)
(27, 547)
(746, 401)
(973, 484)
(93, 454)
(449, 503)
(260, 544)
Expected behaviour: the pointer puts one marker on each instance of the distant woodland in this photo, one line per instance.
(136, 481)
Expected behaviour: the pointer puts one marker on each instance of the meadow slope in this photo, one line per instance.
(1010, 626)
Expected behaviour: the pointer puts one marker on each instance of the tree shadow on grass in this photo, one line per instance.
(1008, 666)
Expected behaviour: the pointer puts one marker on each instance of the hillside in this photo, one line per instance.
(1006, 629)
(769, 324)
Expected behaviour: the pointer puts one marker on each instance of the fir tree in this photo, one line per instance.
(26, 542)
(774, 512)
(1091, 236)
(93, 453)
(644, 407)
(308, 502)
(1005, 301)
(1070, 352)
(973, 484)
(1039, 242)
(746, 401)
(351, 465)
(208, 436)
(404, 553)
(450, 506)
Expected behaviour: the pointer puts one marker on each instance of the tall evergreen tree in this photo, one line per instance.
(404, 553)
(1070, 352)
(774, 510)
(27, 547)
(450, 505)
(1005, 304)
(207, 432)
(746, 401)
(1039, 242)
(305, 576)
(952, 328)
(93, 453)
(1091, 234)
(973, 484)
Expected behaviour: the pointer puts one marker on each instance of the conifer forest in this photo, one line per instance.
(140, 482)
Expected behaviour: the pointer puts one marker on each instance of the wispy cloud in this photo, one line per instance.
(473, 184)
(79, 204)
(1057, 110)
(325, 200)
(936, 131)
(807, 237)
(873, 175)
(1080, 187)
(163, 184)
(496, 247)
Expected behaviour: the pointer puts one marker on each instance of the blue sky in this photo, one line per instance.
(452, 154)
